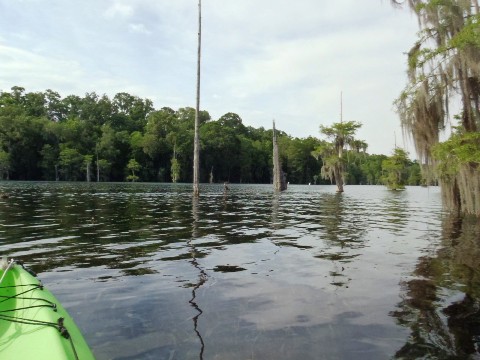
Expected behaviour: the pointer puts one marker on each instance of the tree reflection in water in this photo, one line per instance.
(441, 304)
(395, 210)
(202, 275)
(343, 234)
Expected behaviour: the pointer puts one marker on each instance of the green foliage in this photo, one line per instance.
(134, 167)
(462, 148)
(443, 71)
(465, 38)
(221, 148)
(87, 160)
(71, 163)
(395, 170)
(469, 35)
(298, 161)
(175, 170)
(327, 153)
(371, 169)
(104, 168)
(4, 165)
(340, 135)
(87, 164)
(49, 162)
(415, 175)
(132, 178)
(46, 137)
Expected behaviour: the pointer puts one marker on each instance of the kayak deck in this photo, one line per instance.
(33, 324)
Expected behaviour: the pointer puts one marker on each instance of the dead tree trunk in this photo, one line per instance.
(279, 181)
(196, 142)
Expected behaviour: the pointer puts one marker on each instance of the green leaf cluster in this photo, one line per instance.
(395, 170)
(44, 136)
(444, 73)
(462, 148)
(340, 136)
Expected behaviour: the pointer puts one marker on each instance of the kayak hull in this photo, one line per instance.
(33, 324)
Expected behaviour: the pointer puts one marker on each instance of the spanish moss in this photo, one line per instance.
(444, 73)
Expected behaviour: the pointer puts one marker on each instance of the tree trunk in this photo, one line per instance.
(279, 181)
(468, 120)
(196, 142)
(98, 168)
(337, 172)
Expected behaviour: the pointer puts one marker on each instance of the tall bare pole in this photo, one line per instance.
(341, 106)
(196, 142)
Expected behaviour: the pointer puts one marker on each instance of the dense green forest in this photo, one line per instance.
(46, 137)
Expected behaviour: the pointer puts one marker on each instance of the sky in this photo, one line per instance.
(291, 61)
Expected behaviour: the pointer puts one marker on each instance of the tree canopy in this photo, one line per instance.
(444, 72)
(340, 135)
(44, 136)
(395, 169)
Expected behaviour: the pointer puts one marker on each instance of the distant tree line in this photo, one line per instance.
(94, 138)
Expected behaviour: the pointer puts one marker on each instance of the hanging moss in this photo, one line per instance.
(334, 164)
(444, 69)
(458, 168)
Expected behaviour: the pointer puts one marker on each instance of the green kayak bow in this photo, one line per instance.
(33, 324)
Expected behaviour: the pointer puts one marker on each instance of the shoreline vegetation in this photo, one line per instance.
(44, 136)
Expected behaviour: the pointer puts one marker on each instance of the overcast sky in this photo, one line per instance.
(262, 59)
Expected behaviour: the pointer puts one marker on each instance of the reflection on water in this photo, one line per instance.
(202, 275)
(149, 273)
(441, 302)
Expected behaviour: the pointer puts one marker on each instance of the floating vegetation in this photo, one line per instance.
(138, 272)
(210, 244)
(336, 257)
(228, 268)
(302, 247)
(185, 256)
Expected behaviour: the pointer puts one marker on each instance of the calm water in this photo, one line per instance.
(148, 273)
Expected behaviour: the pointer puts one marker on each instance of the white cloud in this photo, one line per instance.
(139, 29)
(119, 9)
(261, 59)
(294, 67)
(28, 69)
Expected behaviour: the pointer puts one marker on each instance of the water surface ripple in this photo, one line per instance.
(150, 273)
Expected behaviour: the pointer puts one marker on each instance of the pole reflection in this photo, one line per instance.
(202, 275)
